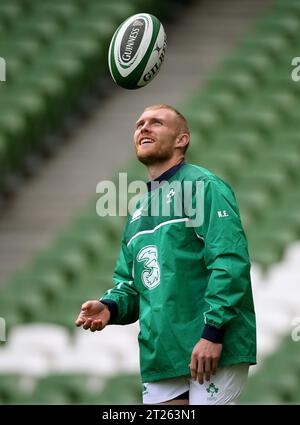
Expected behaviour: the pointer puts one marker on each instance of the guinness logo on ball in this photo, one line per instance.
(131, 40)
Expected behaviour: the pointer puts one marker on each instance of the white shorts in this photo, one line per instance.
(224, 387)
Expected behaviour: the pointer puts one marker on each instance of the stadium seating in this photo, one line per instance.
(245, 127)
(56, 60)
(278, 380)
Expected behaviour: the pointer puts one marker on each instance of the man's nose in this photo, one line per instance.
(145, 127)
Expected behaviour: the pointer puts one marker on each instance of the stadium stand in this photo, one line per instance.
(56, 61)
(245, 127)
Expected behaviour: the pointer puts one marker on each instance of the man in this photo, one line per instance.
(186, 278)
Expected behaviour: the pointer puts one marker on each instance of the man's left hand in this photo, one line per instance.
(204, 360)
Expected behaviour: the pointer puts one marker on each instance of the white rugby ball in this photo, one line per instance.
(136, 51)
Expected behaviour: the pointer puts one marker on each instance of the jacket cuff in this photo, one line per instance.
(213, 334)
(112, 307)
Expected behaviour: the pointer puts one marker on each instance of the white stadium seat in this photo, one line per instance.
(42, 338)
(23, 363)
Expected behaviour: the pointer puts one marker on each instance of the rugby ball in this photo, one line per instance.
(136, 51)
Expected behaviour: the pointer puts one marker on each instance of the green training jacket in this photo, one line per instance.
(184, 273)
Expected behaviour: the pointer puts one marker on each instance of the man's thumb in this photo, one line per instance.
(86, 306)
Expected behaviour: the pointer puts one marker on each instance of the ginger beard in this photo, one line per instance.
(154, 153)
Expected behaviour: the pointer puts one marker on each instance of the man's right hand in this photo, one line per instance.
(93, 315)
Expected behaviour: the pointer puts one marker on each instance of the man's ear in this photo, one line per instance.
(182, 140)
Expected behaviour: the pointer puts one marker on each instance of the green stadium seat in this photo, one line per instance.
(9, 311)
(19, 53)
(263, 253)
(4, 166)
(240, 83)
(223, 102)
(258, 118)
(44, 29)
(272, 44)
(220, 103)
(100, 29)
(31, 306)
(258, 391)
(10, 388)
(253, 200)
(230, 161)
(113, 227)
(287, 218)
(204, 120)
(52, 87)
(277, 381)
(26, 47)
(99, 279)
(69, 70)
(62, 312)
(14, 68)
(288, 26)
(267, 243)
(50, 396)
(248, 142)
(283, 101)
(10, 12)
(278, 80)
(279, 235)
(273, 180)
(288, 138)
(50, 282)
(116, 11)
(13, 124)
(65, 389)
(70, 261)
(91, 242)
(85, 49)
(2, 29)
(258, 64)
(125, 389)
(33, 106)
(65, 11)
(288, 8)
(285, 156)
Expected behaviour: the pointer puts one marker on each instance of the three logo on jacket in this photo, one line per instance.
(151, 272)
